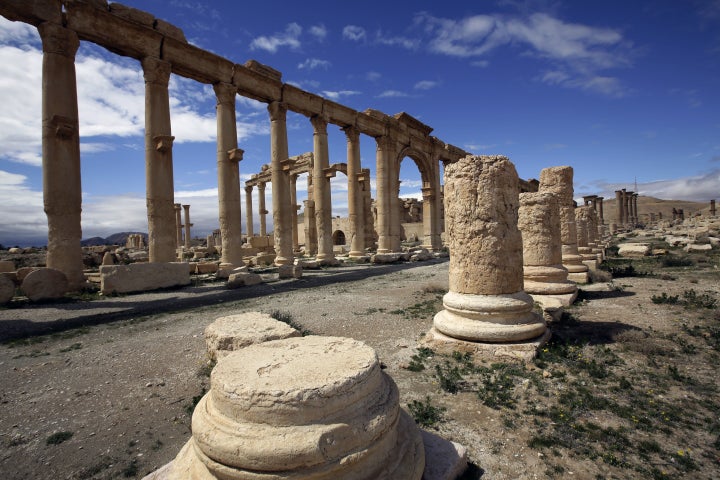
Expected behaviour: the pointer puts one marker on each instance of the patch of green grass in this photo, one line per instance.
(450, 377)
(58, 437)
(417, 361)
(497, 389)
(425, 413)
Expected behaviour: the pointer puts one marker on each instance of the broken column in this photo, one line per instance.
(559, 181)
(582, 224)
(544, 276)
(486, 301)
(306, 408)
(62, 192)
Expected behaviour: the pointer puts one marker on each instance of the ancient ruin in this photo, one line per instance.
(559, 181)
(486, 303)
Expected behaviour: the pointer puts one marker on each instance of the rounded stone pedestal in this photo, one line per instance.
(227, 334)
(489, 318)
(547, 280)
(301, 408)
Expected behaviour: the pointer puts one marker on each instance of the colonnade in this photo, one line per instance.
(626, 205)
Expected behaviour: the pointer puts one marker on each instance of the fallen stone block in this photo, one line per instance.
(45, 284)
(139, 277)
(634, 250)
(698, 247)
(233, 332)
(7, 266)
(243, 279)
(290, 271)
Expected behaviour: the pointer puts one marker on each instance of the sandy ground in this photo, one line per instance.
(120, 373)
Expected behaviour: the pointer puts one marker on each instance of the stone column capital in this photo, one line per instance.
(59, 40)
(236, 154)
(352, 133)
(319, 123)
(225, 93)
(248, 189)
(156, 71)
(277, 111)
(261, 186)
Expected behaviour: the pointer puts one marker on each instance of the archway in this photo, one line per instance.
(338, 237)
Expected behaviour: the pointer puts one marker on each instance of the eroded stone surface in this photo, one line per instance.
(234, 332)
(45, 284)
(7, 289)
(139, 277)
(303, 408)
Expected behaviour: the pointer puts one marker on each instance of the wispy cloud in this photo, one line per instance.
(289, 38)
(696, 188)
(579, 53)
(373, 76)
(354, 33)
(336, 95)
(313, 63)
(318, 31)
(390, 40)
(425, 85)
(392, 93)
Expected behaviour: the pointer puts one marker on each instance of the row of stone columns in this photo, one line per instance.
(627, 215)
(179, 225)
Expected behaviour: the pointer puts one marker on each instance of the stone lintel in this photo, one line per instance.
(372, 124)
(193, 62)
(255, 85)
(264, 70)
(339, 114)
(132, 14)
(413, 123)
(113, 32)
(329, 172)
(33, 12)
(302, 102)
(287, 164)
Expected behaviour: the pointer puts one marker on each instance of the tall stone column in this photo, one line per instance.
(383, 171)
(619, 207)
(293, 212)
(583, 224)
(355, 200)
(261, 209)
(712, 208)
(600, 210)
(249, 211)
(281, 184)
(486, 301)
(544, 276)
(636, 217)
(627, 209)
(368, 220)
(187, 225)
(428, 196)
(435, 207)
(178, 226)
(395, 206)
(559, 181)
(322, 194)
(62, 191)
(228, 166)
(158, 162)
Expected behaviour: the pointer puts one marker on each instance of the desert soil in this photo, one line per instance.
(104, 388)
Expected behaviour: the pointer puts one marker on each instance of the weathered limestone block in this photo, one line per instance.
(227, 334)
(205, 268)
(559, 181)
(243, 279)
(15, 250)
(266, 259)
(698, 247)
(139, 256)
(108, 259)
(45, 284)
(139, 277)
(543, 272)
(634, 250)
(7, 289)
(420, 256)
(23, 272)
(486, 301)
(7, 266)
(290, 271)
(312, 407)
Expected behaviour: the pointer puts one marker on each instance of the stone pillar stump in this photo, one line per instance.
(304, 408)
(486, 302)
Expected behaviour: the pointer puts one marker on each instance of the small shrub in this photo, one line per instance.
(692, 299)
(58, 437)
(425, 413)
(450, 377)
(664, 298)
(417, 361)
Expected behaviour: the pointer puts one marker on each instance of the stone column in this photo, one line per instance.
(395, 206)
(559, 181)
(544, 276)
(187, 225)
(428, 196)
(486, 301)
(368, 220)
(383, 158)
(322, 193)
(293, 211)
(583, 226)
(712, 208)
(261, 209)
(249, 211)
(158, 162)
(619, 208)
(600, 210)
(636, 217)
(62, 191)
(355, 200)
(281, 184)
(627, 209)
(178, 226)
(310, 230)
(228, 165)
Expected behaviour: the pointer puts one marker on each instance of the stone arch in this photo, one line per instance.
(338, 237)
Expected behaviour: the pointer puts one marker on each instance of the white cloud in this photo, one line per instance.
(289, 38)
(425, 85)
(313, 63)
(354, 33)
(578, 52)
(698, 188)
(404, 42)
(23, 221)
(392, 93)
(18, 32)
(373, 76)
(336, 95)
(318, 31)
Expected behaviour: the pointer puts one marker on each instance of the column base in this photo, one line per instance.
(502, 318)
(579, 277)
(524, 350)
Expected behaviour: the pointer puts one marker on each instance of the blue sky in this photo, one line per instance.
(622, 91)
